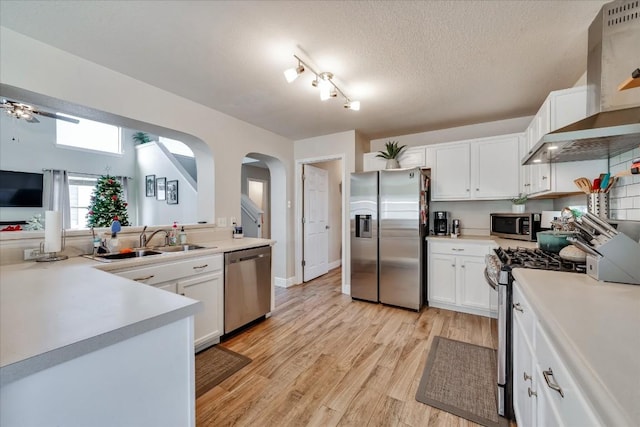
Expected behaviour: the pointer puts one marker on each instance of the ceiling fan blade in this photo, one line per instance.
(56, 116)
(32, 120)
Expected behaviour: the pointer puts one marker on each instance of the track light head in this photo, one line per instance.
(292, 73)
(352, 105)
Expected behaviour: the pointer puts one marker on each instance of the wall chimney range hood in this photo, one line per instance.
(613, 126)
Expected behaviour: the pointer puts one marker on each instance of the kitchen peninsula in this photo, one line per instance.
(80, 344)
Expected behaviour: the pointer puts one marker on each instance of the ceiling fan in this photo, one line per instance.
(19, 110)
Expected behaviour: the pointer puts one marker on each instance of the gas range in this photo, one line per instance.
(537, 258)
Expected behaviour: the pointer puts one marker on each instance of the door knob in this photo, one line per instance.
(326, 227)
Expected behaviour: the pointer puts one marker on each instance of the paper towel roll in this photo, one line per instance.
(52, 231)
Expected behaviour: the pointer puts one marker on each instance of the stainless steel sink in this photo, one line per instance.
(116, 256)
(179, 248)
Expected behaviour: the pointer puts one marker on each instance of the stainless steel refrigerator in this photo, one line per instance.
(389, 214)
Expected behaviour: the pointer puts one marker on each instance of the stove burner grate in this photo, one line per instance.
(537, 258)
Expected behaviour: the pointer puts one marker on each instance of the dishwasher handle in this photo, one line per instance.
(249, 254)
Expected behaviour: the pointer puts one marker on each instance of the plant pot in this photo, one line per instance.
(392, 164)
(517, 208)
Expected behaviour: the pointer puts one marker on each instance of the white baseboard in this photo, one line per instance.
(334, 264)
(283, 283)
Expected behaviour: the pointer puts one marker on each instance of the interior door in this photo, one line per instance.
(315, 228)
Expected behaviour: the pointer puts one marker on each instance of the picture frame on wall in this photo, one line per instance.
(161, 188)
(172, 192)
(150, 185)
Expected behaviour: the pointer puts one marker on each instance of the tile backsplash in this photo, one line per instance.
(624, 197)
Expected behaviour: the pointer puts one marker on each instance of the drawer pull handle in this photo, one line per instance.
(200, 266)
(552, 385)
(142, 279)
(457, 249)
(527, 377)
(531, 392)
(518, 307)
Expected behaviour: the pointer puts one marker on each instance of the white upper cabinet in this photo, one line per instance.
(450, 179)
(483, 169)
(560, 109)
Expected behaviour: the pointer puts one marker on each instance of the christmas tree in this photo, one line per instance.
(107, 203)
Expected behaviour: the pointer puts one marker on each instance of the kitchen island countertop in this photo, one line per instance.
(595, 327)
(53, 312)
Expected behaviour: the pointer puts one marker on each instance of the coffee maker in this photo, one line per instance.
(440, 223)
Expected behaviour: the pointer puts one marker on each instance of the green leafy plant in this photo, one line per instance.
(141, 137)
(393, 151)
(520, 200)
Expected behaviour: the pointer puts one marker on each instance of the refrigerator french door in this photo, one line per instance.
(363, 213)
(402, 215)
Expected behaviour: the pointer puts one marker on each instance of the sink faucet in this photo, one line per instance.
(144, 239)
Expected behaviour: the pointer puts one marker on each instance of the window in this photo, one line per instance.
(80, 189)
(88, 135)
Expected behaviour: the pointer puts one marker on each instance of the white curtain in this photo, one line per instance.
(56, 194)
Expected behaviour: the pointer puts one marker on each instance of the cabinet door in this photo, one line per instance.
(208, 288)
(525, 170)
(524, 402)
(495, 168)
(413, 157)
(450, 179)
(474, 290)
(442, 279)
(373, 163)
(546, 413)
(567, 106)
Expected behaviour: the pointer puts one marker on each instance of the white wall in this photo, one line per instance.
(480, 130)
(43, 69)
(31, 147)
(152, 160)
(340, 145)
(263, 174)
(334, 220)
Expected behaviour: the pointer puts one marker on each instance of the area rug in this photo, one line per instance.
(215, 365)
(460, 378)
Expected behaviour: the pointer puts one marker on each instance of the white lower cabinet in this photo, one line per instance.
(544, 392)
(208, 288)
(200, 278)
(456, 277)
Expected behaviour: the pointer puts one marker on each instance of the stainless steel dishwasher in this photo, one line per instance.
(247, 286)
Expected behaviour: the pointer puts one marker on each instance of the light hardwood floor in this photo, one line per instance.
(325, 360)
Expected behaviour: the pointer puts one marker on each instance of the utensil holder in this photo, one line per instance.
(598, 204)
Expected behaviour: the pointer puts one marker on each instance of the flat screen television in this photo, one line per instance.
(20, 189)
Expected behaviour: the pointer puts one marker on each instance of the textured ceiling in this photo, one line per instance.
(414, 65)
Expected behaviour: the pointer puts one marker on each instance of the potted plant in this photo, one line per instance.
(391, 154)
(517, 203)
(141, 137)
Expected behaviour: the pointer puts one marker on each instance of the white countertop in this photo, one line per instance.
(595, 326)
(54, 312)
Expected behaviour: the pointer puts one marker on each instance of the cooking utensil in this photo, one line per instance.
(603, 235)
(605, 182)
(583, 184)
(596, 186)
(612, 231)
(582, 245)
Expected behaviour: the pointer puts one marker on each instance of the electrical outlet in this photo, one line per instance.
(222, 222)
(233, 220)
(32, 254)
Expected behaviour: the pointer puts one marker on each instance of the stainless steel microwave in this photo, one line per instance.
(520, 226)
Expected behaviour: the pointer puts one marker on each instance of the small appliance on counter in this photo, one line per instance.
(455, 228)
(519, 226)
(440, 223)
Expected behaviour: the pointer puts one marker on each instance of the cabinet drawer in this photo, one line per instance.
(571, 405)
(523, 313)
(458, 248)
(158, 273)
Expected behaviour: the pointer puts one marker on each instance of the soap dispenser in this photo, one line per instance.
(182, 236)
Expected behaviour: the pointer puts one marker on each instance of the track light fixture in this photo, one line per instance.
(323, 81)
